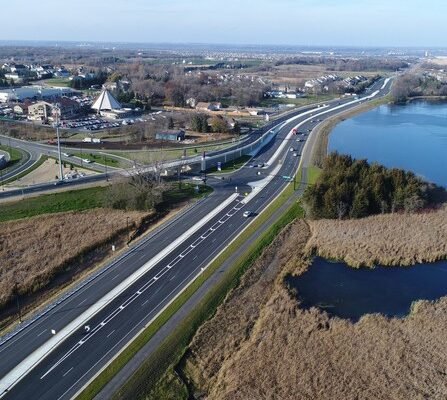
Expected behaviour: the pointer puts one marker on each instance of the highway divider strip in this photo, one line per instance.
(20, 371)
(172, 347)
(81, 285)
(120, 359)
(108, 371)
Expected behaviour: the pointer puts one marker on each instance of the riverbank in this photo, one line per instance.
(315, 356)
(324, 129)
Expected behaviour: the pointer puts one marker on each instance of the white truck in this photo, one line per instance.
(91, 140)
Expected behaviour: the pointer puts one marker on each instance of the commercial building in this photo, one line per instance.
(171, 135)
(40, 111)
(63, 107)
(22, 108)
(34, 92)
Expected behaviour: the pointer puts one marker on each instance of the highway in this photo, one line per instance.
(36, 149)
(127, 294)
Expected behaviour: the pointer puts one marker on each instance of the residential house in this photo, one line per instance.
(14, 76)
(18, 68)
(62, 73)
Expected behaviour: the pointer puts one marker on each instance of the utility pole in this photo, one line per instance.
(57, 109)
(128, 231)
(204, 167)
(105, 163)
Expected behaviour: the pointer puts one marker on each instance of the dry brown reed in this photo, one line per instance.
(389, 239)
(34, 250)
(219, 338)
(261, 345)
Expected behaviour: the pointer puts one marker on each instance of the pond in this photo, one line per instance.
(351, 293)
(411, 137)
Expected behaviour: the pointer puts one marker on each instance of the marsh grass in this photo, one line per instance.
(34, 251)
(389, 239)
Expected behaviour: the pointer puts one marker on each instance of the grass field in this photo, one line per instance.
(85, 199)
(62, 82)
(100, 159)
(312, 174)
(151, 155)
(388, 239)
(231, 166)
(14, 155)
(73, 200)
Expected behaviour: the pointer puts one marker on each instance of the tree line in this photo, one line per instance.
(349, 188)
(411, 85)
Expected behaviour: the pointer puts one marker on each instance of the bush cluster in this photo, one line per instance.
(349, 188)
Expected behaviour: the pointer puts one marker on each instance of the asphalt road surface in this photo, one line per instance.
(67, 367)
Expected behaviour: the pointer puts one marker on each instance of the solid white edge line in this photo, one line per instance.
(179, 293)
(25, 366)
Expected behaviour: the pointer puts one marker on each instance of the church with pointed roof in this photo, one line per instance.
(106, 102)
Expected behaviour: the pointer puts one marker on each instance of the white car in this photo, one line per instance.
(87, 161)
(246, 214)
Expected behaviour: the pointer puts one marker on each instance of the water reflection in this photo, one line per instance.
(412, 137)
(350, 293)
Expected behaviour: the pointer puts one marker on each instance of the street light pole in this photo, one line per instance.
(57, 109)
(19, 311)
(105, 163)
(128, 231)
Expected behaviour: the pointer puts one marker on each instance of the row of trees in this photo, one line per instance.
(349, 188)
(348, 64)
(217, 124)
(99, 78)
(411, 85)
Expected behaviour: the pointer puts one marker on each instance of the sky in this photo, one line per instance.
(415, 23)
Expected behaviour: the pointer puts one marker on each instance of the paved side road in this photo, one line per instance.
(75, 361)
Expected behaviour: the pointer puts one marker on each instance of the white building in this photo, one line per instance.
(34, 92)
(106, 102)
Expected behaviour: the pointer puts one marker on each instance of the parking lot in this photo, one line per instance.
(90, 124)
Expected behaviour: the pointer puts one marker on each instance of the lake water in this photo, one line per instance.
(412, 137)
(350, 293)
